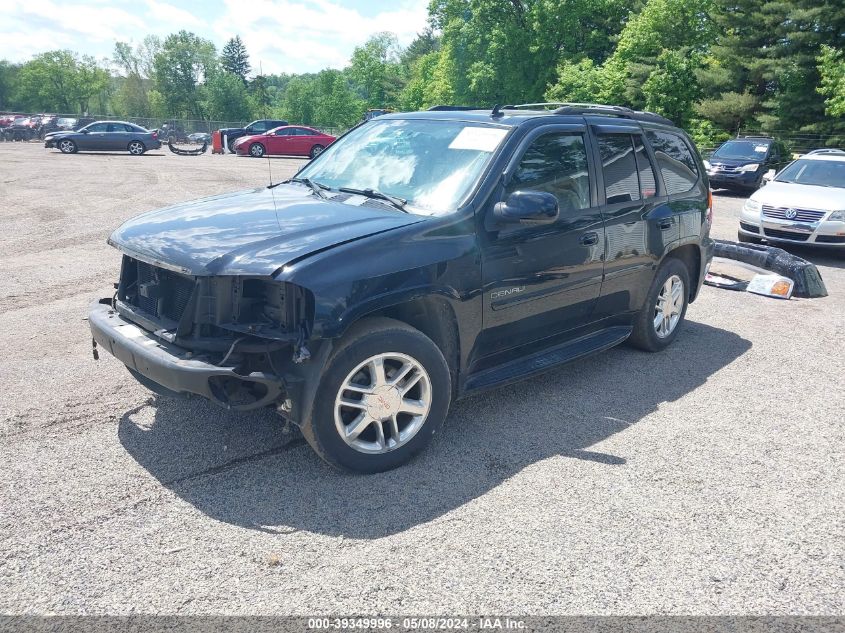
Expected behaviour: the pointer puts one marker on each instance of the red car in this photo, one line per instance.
(288, 140)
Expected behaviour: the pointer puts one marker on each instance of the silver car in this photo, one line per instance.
(105, 136)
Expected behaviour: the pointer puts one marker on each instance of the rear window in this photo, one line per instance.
(675, 160)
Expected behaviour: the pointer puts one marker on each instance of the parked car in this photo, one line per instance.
(256, 127)
(21, 128)
(104, 136)
(804, 203)
(373, 113)
(739, 164)
(291, 140)
(199, 137)
(420, 258)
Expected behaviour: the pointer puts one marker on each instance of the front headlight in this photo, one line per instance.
(752, 206)
(837, 216)
(751, 167)
(707, 165)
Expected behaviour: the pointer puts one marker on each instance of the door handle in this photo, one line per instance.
(588, 239)
(665, 224)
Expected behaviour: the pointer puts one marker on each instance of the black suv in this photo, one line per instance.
(740, 164)
(421, 257)
(260, 126)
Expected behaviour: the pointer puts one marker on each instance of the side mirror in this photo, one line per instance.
(527, 207)
(84, 131)
(769, 176)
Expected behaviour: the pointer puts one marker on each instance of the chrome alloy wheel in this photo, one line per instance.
(66, 146)
(135, 148)
(670, 304)
(383, 403)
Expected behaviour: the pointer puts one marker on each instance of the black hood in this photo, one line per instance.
(250, 233)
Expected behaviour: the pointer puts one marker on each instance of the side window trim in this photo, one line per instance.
(690, 150)
(542, 130)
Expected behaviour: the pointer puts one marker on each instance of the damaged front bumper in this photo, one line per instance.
(176, 370)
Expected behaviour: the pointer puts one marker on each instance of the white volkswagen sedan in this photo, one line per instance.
(804, 203)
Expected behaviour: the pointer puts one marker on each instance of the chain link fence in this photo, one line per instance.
(19, 126)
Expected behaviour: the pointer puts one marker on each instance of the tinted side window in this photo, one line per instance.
(98, 127)
(301, 131)
(621, 183)
(677, 165)
(285, 132)
(259, 126)
(556, 164)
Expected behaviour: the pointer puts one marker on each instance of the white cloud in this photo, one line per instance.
(290, 36)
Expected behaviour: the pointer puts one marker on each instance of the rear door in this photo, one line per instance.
(638, 222)
(542, 280)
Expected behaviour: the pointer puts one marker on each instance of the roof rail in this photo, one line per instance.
(453, 108)
(760, 136)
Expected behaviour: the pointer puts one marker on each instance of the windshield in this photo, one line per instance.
(434, 165)
(822, 173)
(742, 150)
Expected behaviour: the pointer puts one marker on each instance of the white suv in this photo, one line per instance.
(804, 203)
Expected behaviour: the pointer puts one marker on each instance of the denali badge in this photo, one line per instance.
(498, 294)
(790, 214)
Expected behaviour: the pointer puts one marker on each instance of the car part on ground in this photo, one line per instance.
(807, 280)
(730, 274)
(181, 151)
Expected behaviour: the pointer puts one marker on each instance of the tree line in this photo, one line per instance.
(713, 66)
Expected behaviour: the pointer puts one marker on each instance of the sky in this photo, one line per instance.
(293, 36)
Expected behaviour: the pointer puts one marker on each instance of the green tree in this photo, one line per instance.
(226, 98)
(832, 71)
(671, 88)
(234, 58)
(8, 85)
(376, 71)
(337, 105)
(61, 81)
(180, 67)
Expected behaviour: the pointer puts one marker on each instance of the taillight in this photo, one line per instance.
(709, 207)
(155, 135)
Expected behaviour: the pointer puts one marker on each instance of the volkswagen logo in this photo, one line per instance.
(790, 214)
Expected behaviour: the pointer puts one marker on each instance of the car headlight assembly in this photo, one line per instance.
(751, 167)
(837, 216)
(707, 165)
(752, 206)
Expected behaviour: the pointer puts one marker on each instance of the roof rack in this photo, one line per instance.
(568, 107)
(760, 136)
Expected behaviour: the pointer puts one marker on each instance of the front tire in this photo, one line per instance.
(256, 150)
(382, 396)
(660, 318)
(66, 146)
(136, 148)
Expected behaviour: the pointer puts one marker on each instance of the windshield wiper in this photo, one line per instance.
(397, 202)
(316, 187)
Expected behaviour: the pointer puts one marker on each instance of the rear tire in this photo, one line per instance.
(136, 148)
(400, 395)
(316, 151)
(256, 150)
(658, 322)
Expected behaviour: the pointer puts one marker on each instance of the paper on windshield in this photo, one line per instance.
(480, 139)
(760, 149)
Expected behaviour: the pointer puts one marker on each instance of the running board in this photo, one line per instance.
(543, 361)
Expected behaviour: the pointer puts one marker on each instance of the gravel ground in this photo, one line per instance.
(707, 479)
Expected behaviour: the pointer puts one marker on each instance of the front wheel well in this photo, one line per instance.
(690, 255)
(433, 317)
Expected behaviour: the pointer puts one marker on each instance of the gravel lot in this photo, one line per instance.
(708, 479)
